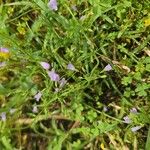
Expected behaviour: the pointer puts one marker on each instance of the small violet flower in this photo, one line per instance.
(53, 5)
(45, 65)
(35, 109)
(53, 75)
(136, 128)
(133, 110)
(4, 50)
(62, 82)
(71, 67)
(127, 120)
(108, 67)
(3, 116)
(38, 96)
(4, 53)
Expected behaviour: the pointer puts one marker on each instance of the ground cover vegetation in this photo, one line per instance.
(74, 74)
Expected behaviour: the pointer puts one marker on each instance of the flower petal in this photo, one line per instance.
(4, 50)
(108, 67)
(38, 96)
(133, 110)
(3, 116)
(45, 65)
(4, 53)
(35, 109)
(127, 120)
(136, 128)
(53, 5)
(53, 75)
(71, 67)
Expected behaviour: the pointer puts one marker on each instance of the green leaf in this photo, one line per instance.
(141, 89)
(148, 67)
(106, 127)
(126, 80)
(6, 143)
(137, 76)
(148, 140)
(3, 90)
(140, 67)
(146, 60)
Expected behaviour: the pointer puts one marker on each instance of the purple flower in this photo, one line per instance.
(127, 120)
(133, 110)
(53, 75)
(71, 67)
(35, 109)
(62, 82)
(4, 50)
(38, 96)
(108, 68)
(2, 64)
(134, 129)
(45, 65)
(3, 116)
(53, 5)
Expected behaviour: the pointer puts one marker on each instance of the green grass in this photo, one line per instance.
(88, 111)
